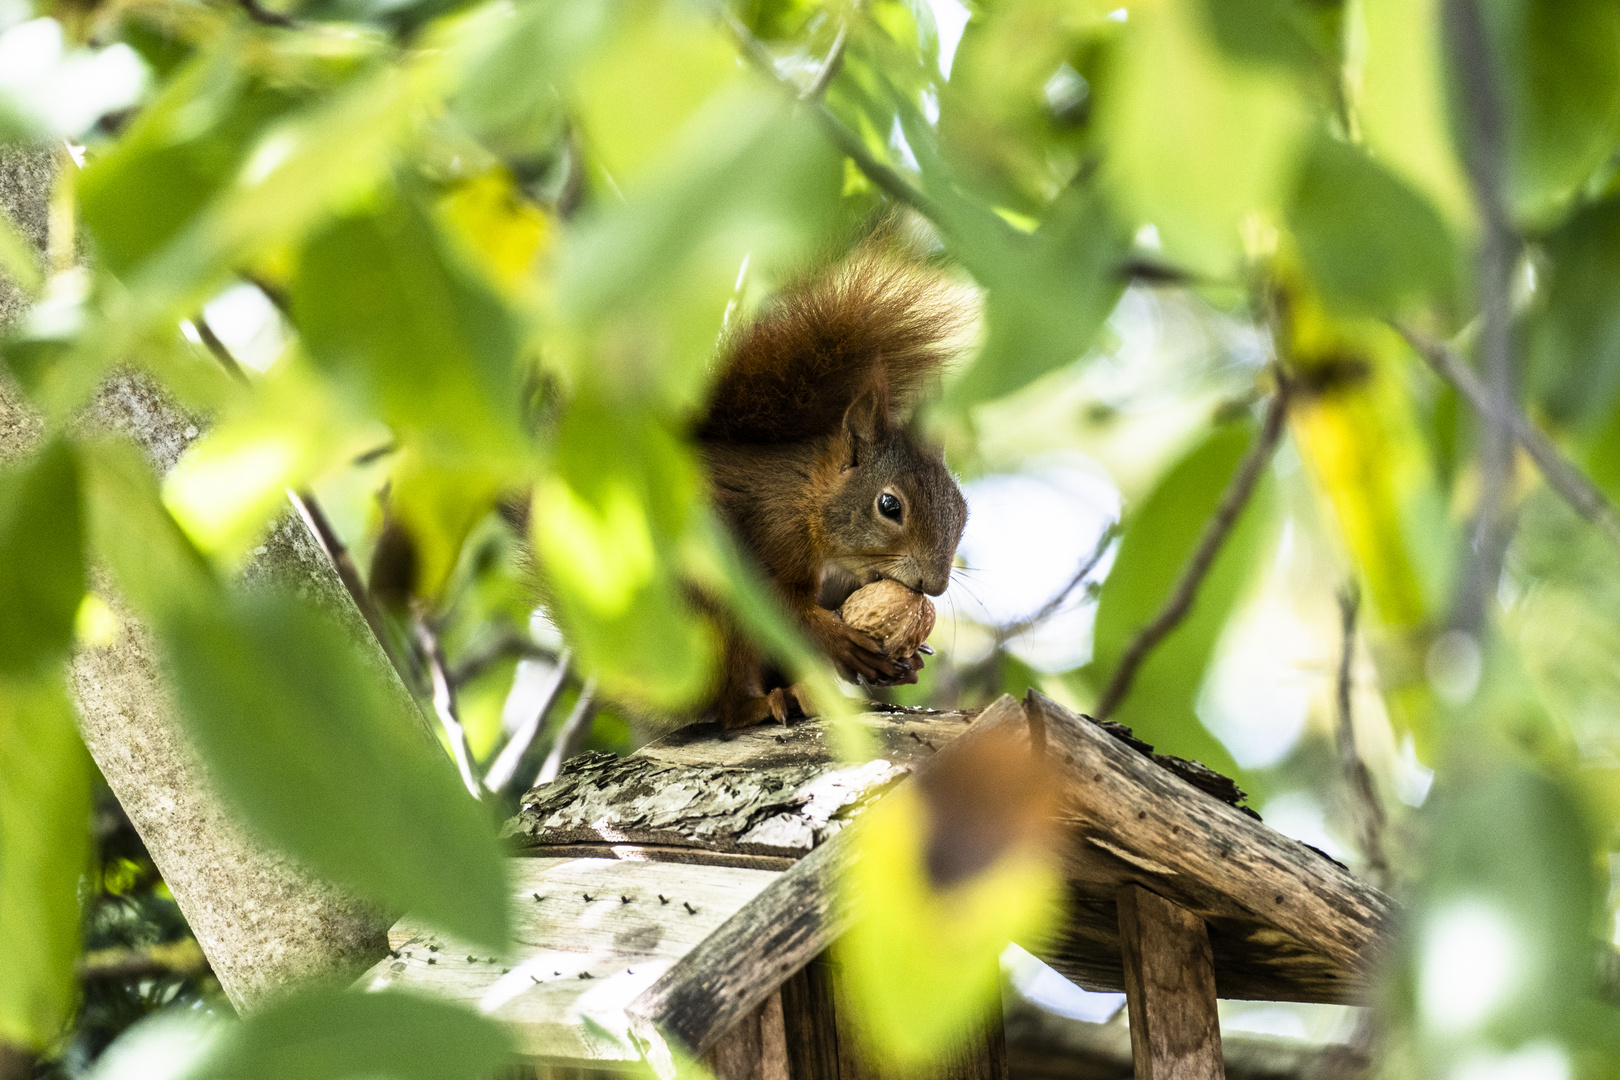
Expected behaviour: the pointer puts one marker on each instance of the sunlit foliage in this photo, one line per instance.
(455, 271)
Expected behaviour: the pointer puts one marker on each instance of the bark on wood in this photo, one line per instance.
(1285, 921)
(263, 922)
(1169, 989)
(765, 791)
(790, 923)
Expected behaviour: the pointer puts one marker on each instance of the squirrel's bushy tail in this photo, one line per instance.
(792, 372)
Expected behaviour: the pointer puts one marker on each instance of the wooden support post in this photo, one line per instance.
(755, 1048)
(1169, 989)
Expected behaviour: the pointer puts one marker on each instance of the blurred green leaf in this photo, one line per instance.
(157, 567)
(1048, 293)
(646, 83)
(649, 279)
(1369, 242)
(517, 59)
(327, 764)
(606, 526)
(44, 848)
(384, 306)
(1272, 31)
(1509, 907)
(177, 156)
(1558, 69)
(18, 260)
(1397, 71)
(1575, 336)
(333, 1035)
(1198, 142)
(1160, 535)
(933, 901)
(41, 560)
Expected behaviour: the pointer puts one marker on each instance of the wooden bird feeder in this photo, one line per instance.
(681, 900)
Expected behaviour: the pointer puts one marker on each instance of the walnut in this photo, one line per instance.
(898, 618)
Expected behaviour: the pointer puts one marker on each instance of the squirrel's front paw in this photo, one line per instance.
(858, 656)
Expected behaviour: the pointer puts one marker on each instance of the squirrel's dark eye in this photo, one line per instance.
(889, 506)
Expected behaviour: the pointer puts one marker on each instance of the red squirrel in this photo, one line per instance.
(816, 475)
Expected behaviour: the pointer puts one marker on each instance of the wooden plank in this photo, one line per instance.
(602, 932)
(1285, 921)
(769, 790)
(781, 930)
(1045, 1046)
(755, 1048)
(810, 1016)
(1169, 989)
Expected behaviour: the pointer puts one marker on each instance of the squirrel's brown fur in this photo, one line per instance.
(805, 449)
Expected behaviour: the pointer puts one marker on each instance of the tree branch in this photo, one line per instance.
(829, 67)
(510, 759)
(1235, 498)
(569, 735)
(1561, 474)
(849, 144)
(1486, 147)
(1011, 630)
(444, 702)
(1367, 807)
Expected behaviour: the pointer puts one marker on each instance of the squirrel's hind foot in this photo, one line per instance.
(782, 704)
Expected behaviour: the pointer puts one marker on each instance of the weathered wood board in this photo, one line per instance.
(704, 794)
(1286, 923)
(602, 932)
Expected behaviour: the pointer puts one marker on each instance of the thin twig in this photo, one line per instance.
(320, 527)
(1486, 156)
(508, 761)
(829, 67)
(1561, 474)
(1235, 498)
(1011, 630)
(1368, 807)
(265, 17)
(506, 645)
(570, 734)
(444, 703)
(232, 366)
(316, 521)
(848, 143)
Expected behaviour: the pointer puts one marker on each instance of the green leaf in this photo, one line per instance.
(333, 1035)
(1160, 536)
(328, 765)
(1285, 32)
(1575, 337)
(515, 63)
(382, 303)
(606, 525)
(1558, 65)
(178, 155)
(158, 569)
(18, 260)
(41, 560)
(44, 848)
(1048, 293)
(1198, 142)
(650, 278)
(1398, 67)
(1370, 243)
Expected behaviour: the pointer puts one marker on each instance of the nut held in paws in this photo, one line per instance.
(898, 618)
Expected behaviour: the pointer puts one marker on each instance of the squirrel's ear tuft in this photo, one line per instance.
(866, 422)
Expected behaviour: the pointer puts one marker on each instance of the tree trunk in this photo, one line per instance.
(263, 922)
